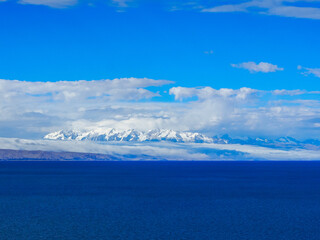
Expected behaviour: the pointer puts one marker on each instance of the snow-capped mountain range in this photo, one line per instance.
(130, 135)
(157, 135)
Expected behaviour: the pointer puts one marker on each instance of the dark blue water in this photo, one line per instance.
(159, 200)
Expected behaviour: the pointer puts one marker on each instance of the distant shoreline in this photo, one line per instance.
(26, 155)
(11, 155)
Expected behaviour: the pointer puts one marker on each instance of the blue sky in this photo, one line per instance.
(246, 68)
(98, 40)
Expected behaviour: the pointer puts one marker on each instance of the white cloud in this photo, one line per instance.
(209, 52)
(289, 92)
(247, 111)
(308, 71)
(260, 67)
(124, 88)
(68, 3)
(284, 8)
(160, 151)
(227, 8)
(51, 3)
(297, 12)
(165, 151)
(121, 3)
(32, 109)
(181, 93)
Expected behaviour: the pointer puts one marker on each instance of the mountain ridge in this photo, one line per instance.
(130, 135)
(157, 135)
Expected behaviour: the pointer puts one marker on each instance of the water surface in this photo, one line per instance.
(160, 200)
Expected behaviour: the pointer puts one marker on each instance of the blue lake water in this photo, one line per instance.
(160, 200)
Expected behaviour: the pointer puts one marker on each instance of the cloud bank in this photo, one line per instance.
(51, 3)
(33, 109)
(165, 151)
(283, 8)
(308, 9)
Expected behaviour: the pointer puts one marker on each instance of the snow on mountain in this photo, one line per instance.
(129, 135)
(157, 135)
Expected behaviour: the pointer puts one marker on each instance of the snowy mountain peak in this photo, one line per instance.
(157, 135)
(129, 135)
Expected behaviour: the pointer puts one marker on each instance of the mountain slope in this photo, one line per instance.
(157, 135)
(130, 135)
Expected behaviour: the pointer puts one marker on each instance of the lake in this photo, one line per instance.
(160, 200)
